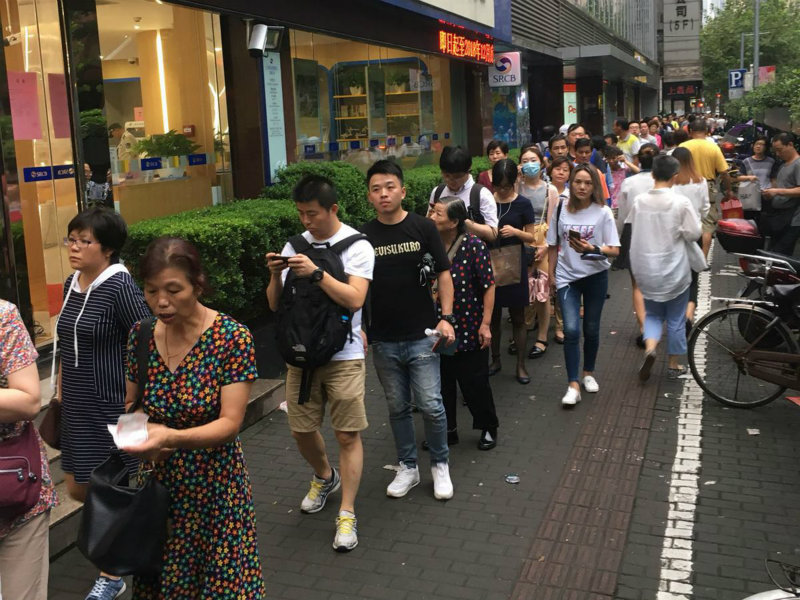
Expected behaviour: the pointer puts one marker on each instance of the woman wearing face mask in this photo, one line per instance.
(582, 235)
(559, 170)
(543, 198)
(495, 150)
(515, 223)
(201, 366)
(101, 304)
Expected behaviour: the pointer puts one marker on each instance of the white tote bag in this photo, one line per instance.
(750, 195)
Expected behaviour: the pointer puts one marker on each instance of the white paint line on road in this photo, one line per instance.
(676, 553)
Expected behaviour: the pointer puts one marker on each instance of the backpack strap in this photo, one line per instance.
(299, 243)
(475, 203)
(438, 192)
(144, 335)
(344, 244)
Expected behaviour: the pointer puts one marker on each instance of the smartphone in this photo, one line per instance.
(574, 235)
(284, 259)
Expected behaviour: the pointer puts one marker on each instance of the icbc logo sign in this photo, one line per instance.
(506, 70)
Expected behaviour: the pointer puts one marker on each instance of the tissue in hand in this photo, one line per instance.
(130, 430)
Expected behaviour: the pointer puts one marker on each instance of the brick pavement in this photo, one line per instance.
(586, 521)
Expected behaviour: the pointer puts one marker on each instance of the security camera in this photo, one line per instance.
(133, 61)
(263, 38)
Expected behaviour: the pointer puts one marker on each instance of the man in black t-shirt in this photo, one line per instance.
(402, 308)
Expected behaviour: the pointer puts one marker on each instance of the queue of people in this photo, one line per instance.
(424, 295)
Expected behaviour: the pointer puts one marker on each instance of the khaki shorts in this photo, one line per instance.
(340, 384)
(709, 222)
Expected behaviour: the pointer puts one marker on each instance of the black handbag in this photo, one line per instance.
(123, 529)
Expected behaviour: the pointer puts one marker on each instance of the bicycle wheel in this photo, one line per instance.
(713, 344)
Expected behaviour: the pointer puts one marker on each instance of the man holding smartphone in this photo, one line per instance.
(338, 384)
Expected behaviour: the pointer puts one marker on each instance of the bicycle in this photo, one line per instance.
(746, 354)
(788, 586)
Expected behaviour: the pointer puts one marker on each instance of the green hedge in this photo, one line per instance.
(233, 238)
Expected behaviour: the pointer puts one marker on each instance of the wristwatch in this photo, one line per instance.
(450, 319)
(317, 275)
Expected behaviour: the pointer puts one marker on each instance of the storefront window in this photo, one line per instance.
(165, 109)
(360, 102)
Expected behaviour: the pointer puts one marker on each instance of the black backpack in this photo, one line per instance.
(310, 326)
(474, 201)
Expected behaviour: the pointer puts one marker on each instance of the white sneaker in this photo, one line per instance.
(442, 486)
(571, 398)
(346, 532)
(405, 479)
(318, 492)
(590, 384)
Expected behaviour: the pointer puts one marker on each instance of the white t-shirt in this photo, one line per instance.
(632, 186)
(596, 225)
(488, 205)
(358, 260)
(697, 193)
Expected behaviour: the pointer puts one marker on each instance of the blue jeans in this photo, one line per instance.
(593, 289)
(403, 367)
(674, 313)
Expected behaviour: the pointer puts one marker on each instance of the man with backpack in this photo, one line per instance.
(455, 164)
(318, 285)
(409, 254)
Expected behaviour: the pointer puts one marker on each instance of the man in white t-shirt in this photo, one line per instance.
(455, 164)
(339, 383)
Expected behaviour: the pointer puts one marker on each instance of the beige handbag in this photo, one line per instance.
(506, 264)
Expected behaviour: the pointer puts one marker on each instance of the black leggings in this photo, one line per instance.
(470, 370)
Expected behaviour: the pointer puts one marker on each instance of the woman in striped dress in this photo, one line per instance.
(101, 304)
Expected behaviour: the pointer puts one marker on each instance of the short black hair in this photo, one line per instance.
(455, 159)
(315, 187)
(574, 126)
(598, 142)
(698, 125)
(668, 138)
(556, 138)
(786, 139)
(494, 145)
(623, 124)
(385, 167)
(581, 142)
(680, 136)
(612, 152)
(665, 167)
(611, 136)
(106, 225)
(646, 154)
(504, 172)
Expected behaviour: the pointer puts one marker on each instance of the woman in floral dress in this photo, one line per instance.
(200, 368)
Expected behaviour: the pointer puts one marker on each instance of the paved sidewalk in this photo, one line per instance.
(587, 519)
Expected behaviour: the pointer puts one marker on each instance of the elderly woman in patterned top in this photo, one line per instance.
(473, 302)
(24, 525)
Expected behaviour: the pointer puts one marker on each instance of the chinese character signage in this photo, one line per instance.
(682, 18)
(683, 88)
(463, 43)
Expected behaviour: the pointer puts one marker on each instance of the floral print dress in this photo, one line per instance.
(212, 550)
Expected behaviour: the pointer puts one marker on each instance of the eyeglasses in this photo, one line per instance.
(68, 242)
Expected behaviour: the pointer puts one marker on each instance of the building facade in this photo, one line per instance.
(589, 61)
(155, 107)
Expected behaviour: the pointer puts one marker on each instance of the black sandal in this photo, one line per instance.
(559, 339)
(537, 352)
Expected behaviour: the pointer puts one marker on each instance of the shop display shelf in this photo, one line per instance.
(342, 96)
(400, 115)
(349, 118)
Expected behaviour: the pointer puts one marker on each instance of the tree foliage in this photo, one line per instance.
(785, 91)
(720, 40)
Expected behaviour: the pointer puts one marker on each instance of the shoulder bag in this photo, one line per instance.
(20, 473)
(123, 528)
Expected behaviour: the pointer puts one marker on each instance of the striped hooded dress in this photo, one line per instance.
(92, 335)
